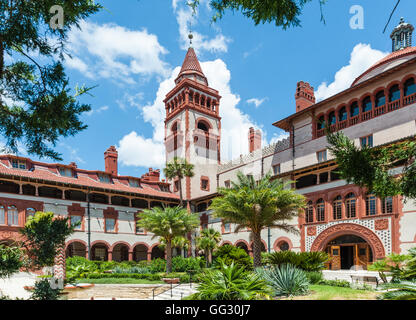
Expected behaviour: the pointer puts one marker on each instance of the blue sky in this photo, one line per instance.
(131, 51)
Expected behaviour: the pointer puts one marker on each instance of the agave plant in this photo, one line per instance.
(231, 283)
(286, 280)
(405, 290)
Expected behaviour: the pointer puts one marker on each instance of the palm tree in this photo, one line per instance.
(208, 241)
(179, 168)
(168, 223)
(179, 242)
(258, 205)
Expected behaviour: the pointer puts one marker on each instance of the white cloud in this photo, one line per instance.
(200, 42)
(257, 102)
(137, 150)
(362, 58)
(95, 111)
(113, 51)
(129, 100)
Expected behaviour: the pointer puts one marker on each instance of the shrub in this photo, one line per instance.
(44, 291)
(404, 290)
(314, 277)
(181, 264)
(336, 283)
(142, 270)
(307, 261)
(158, 265)
(286, 280)
(11, 260)
(230, 283)
(229, 255)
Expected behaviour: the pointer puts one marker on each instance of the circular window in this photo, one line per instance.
(284, 246)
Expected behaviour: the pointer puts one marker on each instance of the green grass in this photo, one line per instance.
(323, 292)
(119, 281)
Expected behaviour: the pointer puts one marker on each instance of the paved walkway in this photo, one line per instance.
(13, 287)
(179, 292)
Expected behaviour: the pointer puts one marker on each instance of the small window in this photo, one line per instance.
(387, 205)
(110, 225)
(19, 164)
(2, 216)
(367, 141)
(337, 208)
(350, 205)
(276, 169)
(134, 183)
(12, 216)
(104, 178)
(66, 172)
(321, 155)
(370, 205)
(320, 210)
(227, 227)
(204, 184)
(309, 213)
(76, 221)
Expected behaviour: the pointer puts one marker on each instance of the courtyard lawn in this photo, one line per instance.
(119, 281)
(323, 292)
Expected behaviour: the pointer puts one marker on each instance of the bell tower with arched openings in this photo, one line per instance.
(193, 127)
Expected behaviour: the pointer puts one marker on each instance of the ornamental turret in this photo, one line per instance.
(402, 36)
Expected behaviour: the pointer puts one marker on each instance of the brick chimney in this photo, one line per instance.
(110, 159)
(254, 140)
(152, 175)
(305, 96)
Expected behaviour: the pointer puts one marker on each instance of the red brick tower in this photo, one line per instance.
(305, 96)
(110, 159)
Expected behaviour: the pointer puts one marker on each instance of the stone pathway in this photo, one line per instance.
(182, 291)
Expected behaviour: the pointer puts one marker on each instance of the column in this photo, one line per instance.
(63, 194)
(20, 188)
(130, 255)
(36, 191)
(110, 255)
(149, 255)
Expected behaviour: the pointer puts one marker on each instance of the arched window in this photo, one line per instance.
(409, 87)
(12, 216)
(350, 205)
(394, 93)
(203, 126)
(387, 205)
(380, 99)
(309, 212)
(332, 119)
(30, 212)
(320, 210)
(367, 105)
(321, 122)
(370, 205)
(337, 208)
(2, 216)
(354, 109)
(342, 115)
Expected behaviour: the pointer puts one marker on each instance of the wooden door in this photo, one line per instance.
(335, 257)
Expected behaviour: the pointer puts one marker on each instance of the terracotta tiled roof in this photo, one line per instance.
(191, 63)
(83, 180)
(392, 56)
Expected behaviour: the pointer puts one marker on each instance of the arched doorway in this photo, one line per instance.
(76, 249)
(349, 252)
(99, 252)
(140, 253)
(157, 253)
(366, 246)
(121, 252)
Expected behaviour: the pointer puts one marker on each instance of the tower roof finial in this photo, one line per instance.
(190, 35)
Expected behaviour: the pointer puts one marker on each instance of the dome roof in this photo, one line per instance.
(392, 60)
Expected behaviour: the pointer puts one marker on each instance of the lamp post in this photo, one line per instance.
(89, 225)
(269, 235)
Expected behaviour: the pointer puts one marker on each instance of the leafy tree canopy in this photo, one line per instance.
(373, 168)
(37, 106)
(284, 13)
(11, 260)
(45, 235)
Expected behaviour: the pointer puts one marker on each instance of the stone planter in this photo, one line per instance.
(171, 280)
